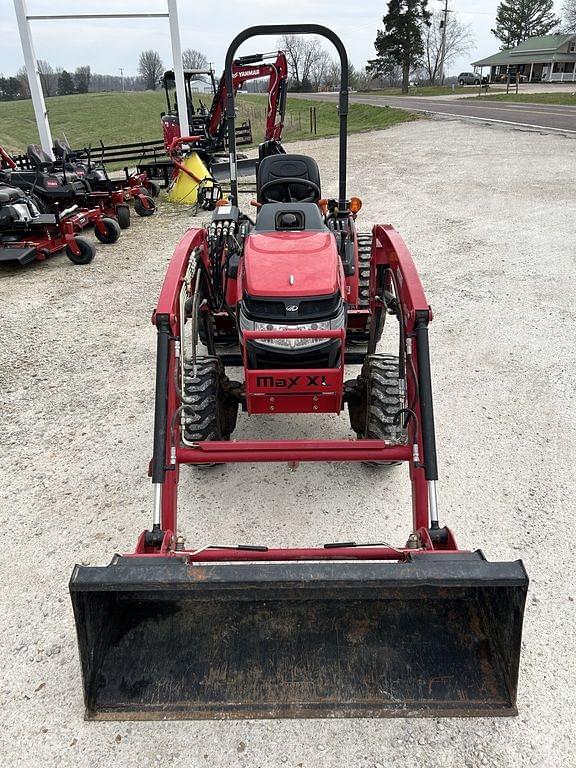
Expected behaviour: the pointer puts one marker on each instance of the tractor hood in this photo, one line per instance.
(291, 263)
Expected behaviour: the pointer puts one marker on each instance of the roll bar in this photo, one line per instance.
(288, 29)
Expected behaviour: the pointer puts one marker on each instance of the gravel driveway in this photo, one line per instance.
(490, 215)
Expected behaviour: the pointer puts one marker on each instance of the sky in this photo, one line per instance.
(109, 45)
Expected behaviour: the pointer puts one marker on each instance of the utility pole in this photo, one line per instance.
(444, 25)
(122, 79)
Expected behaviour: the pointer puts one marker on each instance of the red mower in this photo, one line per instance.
(347, 629)
(27, 235)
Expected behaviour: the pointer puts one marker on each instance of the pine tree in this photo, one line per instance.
(400, 43)
(517, 20)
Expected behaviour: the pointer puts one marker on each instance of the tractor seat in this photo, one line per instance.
(10, 195)
(284, 166)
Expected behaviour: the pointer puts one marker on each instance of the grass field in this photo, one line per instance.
(535, 98)
(117, 118)
(424, 90)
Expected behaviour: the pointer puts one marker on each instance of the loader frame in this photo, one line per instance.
(388, 250)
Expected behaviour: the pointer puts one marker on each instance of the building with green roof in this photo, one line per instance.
(546, 59)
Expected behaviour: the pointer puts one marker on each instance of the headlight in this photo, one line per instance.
(324, 325)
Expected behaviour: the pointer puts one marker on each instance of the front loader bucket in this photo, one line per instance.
(436, 635)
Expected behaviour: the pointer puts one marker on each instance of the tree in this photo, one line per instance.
(65, 83)
(22, 75)
(302, 55)
(400, 43)
(150, 67)
(82, 79)
(459, 40)
(569, 17)
(48, 78)
(319, 70)
(517, 20)
(192, 59)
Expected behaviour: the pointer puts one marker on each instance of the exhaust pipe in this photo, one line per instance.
(435, 635)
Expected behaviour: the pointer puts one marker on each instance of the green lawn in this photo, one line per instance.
(424, 90)
(535, 98)
(117, 118)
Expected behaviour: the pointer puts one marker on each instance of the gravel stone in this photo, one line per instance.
(490, 216)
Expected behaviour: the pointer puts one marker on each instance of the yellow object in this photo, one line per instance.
(185, 188)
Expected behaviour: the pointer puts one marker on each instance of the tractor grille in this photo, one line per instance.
(310, 308)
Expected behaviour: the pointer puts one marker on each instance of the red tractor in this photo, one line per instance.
(347, 629)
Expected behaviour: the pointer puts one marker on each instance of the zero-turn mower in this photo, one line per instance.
(56, 184)
(360, 629)
(27, 235)
(136, 187)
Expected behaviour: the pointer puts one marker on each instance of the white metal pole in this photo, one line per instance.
(178, 68)
(33, 77)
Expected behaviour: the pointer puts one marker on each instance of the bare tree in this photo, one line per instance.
(302, 55)
(319, 70)
(459, 40)
(48, 78)
(150, 68)
(192, 59)
(82, 78)
(22, 75)
(569, 17)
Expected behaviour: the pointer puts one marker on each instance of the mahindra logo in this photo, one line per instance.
(287, 382)
(292, 308)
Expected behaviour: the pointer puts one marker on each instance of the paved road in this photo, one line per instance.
(550, 116)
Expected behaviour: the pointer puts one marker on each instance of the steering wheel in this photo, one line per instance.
(287, 196)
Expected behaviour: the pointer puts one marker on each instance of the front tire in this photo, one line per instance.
(123, 215)
(381, 398)
(111, 231)
(209, 411)
(144, 209)
(87, 252)
(153, 188)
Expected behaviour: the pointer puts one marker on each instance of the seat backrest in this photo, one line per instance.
(37, 155)
(62, 148)
(284, 166)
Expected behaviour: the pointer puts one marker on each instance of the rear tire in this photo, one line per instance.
(209, 413)
(143, 210)
(364, 258)
(123, 216)
(381, 398)
(111, 233)
(153, 188)
(87, 252)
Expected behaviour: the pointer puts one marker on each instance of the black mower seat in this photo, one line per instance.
(278, 167)
(38, 156)
(10, 195)
(62, 149)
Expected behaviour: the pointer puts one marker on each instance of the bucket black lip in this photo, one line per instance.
(429, 571)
